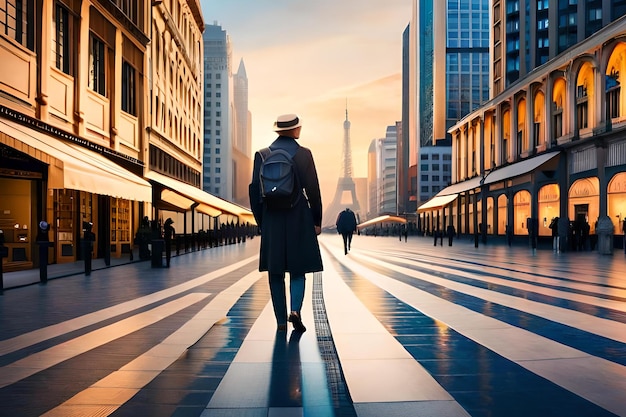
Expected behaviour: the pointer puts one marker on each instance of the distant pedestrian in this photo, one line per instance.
(509, 234)
(450, 231)
(289, 235)
(168, 235)
(346, 226)
(554, 226)
(624, 233)
(88, 238)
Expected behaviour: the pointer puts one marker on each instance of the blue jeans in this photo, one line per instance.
(279, 301)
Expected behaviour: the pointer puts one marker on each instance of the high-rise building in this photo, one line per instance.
(448, 67)
(388, 178)
(217, 160)
(242, 138)
(526, 34)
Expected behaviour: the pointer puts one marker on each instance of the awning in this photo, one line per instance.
(519, 168)
(437, 201)
(381, 220)
(461, 187)
(207, 203)
(76, 168)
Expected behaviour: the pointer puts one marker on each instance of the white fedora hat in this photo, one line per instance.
(286, 122)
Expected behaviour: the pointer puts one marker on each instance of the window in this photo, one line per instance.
(582, 107)
(129, 8)
(612, 95)
(61, 39)
(218, 170)
(424, 177)
(14, 18)
(218, 160)
(129, 104)
(96, 65)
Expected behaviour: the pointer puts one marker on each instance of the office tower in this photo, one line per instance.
(448, 67)
(242, 138)
(217, 161)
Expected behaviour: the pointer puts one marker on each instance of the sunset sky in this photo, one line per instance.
(309, 57)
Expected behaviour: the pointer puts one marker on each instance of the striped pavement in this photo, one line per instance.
(394, 329)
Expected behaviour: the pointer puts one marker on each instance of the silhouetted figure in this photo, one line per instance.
(88, 238)
(451, 231)
(143, 238)
(346, 226)
(168, 236)
(554, 226)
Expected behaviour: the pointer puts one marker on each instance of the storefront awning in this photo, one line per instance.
(207, 203)
(519, 168)
(437, 201)
(381, 220)
(75, 168)
(461, 187)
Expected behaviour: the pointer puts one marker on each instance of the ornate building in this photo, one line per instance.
(101, 122)
(551, 145)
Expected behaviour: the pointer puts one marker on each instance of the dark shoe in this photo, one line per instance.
(295, 319)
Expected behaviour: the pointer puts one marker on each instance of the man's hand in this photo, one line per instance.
(318, 230)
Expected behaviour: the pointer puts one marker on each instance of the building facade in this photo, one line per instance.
(73, 111)
(174, 159)
(242, 138)
(217, 112)
(550, 146)
(448, 68)
(100, 126)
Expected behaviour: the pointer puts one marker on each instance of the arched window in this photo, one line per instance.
(539, 119)
(584, 97)
(506, 135)
(558, 99)
(522, 136)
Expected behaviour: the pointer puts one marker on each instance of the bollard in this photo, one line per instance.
(4, 253)
(44, 244)
(157, 253)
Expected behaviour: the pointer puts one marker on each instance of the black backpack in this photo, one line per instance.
(279, 179)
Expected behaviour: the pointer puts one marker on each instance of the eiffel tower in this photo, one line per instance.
(345, 196)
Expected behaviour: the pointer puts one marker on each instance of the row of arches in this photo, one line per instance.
(510, 211)
(564, 104)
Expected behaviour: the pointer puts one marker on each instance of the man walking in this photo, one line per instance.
(288, 231)
(346, 226)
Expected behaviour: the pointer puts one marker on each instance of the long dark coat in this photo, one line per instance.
(288, 239)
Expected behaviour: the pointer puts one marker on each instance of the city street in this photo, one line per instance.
(394, 328)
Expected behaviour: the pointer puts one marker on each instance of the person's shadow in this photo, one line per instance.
(286, 379)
